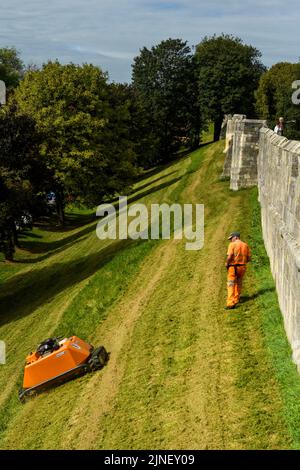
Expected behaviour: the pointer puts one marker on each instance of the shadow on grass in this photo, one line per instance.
(152, 182)
(205, 144)
(159, 168)
(49, 248)
(180, 155)
(34, 246)
(27, 233)
(159, 187)
(248, 298)
(24, 293)
(37, 259)
(73, 220)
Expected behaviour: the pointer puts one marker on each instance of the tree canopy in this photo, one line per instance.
(66, 129)
(274, 97)
(82, 124)
(228, 75)
(164, 79)
(11, 67)
(21, 174)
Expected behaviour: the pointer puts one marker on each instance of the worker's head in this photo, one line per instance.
(234, 236)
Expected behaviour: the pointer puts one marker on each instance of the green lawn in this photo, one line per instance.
(183, 373)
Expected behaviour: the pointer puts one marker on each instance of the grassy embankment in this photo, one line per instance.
(183, 373)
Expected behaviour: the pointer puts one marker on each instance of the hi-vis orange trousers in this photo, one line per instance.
(234, 284)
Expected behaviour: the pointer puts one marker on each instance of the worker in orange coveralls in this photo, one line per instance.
(238, 255)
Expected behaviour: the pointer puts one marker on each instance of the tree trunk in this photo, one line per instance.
(196, 136)
(60, 207)
(218, 127)
(9, 248)
(15, 236)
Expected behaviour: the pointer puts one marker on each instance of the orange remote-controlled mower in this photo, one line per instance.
(57, 360)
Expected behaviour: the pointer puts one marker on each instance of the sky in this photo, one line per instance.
(110, 33)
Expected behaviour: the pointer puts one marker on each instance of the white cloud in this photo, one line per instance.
(111, 32)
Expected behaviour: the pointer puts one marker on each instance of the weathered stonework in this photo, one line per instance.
(227, 118)
(230, 131)
(279, 196)
(245, 147)
(259, 156)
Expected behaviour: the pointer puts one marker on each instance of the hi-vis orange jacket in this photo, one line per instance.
(239, 252)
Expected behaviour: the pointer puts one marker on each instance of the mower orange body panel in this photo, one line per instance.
(72, 352)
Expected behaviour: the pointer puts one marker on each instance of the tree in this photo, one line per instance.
(113, 170)
(81, 124)
(11, 67)
(228, 75)
(164, 81)
(137, 124)
(274, 97)
(20, 174)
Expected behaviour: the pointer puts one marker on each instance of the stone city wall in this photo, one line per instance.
(259, 156)
(279, 196)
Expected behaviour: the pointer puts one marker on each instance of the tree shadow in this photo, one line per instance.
(180, 155)
(159, 187)
(140, 195)
(46, 249)
(26, 233)
(37, 247)
(24, 293)
(48, 253)
(205, 144)
(73, 220)
(152, 182)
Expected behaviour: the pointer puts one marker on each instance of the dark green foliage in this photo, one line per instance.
(165, 86)
(11, 67)
(228, 74)
(274, 97)
(21, 174)
(83, 121)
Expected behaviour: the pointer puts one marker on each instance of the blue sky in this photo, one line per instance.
(110, 33)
